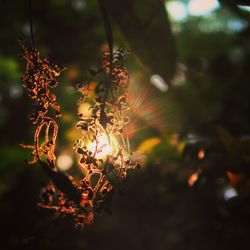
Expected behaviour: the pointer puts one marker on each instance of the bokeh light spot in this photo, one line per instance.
(202, 7)
(229, 193)
(64, 162)
(177, 10)
(15, 91)
(159, 83)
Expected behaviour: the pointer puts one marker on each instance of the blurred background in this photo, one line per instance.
(189, 96)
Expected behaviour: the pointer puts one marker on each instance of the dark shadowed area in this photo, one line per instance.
(190, 126)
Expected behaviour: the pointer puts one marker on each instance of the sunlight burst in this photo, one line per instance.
(101, 147)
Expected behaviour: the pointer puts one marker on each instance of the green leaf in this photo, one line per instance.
(145, 25)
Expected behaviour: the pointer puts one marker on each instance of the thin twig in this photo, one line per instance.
(109, 36)
(31, 25)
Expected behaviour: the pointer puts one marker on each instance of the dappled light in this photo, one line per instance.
(125, 125)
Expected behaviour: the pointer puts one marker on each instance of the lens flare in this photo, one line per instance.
(150, 108)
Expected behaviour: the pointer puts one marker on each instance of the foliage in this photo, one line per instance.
(210, 88)
(39, 78)
(142, 23)
(92, 195)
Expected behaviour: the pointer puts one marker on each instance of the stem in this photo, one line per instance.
(109, 36)
(107, 27)
(31, 25)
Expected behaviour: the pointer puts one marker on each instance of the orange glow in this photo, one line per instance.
(201, 154)
(90, 88)
(174, 140)
(234, 179)
(192, 179)
(72, 73)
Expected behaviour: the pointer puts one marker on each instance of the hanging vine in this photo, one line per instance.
(107, 159)
(104, 149)
(39, 79)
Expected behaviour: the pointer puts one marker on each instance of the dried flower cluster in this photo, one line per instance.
(39, 78)
(102, 158)
(105, 162)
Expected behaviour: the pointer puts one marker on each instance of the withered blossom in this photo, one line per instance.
(40, 77)
(104, 171)
(110, 111)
